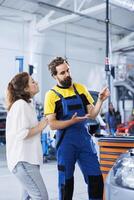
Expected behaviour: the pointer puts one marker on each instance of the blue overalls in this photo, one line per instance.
(74, 144)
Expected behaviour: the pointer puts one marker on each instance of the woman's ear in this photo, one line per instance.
(26, 89)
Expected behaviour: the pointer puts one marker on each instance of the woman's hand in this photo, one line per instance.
(42, 124)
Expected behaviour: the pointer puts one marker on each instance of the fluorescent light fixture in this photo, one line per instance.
(128, 4)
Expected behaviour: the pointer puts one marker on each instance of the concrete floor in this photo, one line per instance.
(10, 188)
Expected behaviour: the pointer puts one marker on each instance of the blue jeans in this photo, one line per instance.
(30, 177)
(113, 131)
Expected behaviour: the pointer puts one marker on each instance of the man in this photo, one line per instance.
(68, 106)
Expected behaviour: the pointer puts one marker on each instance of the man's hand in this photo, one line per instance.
(104, 94)
(76, 118)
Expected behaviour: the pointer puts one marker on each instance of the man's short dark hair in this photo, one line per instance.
(54, 63)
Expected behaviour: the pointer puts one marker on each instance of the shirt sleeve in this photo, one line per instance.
(22, 120)
(49, 103)
(87, 95)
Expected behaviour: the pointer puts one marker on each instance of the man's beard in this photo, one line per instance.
(66, 82)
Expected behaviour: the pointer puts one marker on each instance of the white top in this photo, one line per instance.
(101, 121)
(21, 117)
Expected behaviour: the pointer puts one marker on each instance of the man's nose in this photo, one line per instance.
(67, 74)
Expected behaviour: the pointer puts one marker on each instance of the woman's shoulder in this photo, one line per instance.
(20, 103)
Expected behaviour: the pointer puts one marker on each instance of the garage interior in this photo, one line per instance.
(97, 39)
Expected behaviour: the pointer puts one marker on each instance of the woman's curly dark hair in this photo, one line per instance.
(16, 89)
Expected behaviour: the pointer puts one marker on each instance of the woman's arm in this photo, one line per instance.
(37, 129)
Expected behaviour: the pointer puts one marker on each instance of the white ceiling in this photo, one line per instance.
(91, 24)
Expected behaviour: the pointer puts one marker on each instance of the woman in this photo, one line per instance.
(24, 151)
(111, 119)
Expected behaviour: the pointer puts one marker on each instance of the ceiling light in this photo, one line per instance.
(128, 4)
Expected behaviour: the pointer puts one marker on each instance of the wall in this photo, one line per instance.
(12, 44)
(86, 59)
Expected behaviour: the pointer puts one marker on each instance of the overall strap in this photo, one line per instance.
(64, 130)
(75, 90)
(58, 94)
(78, 95)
